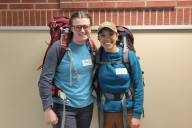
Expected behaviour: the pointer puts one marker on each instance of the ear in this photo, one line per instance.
(71, 29)
(117, 34)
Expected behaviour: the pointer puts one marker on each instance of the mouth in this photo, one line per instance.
(107, 43)
(82, 35)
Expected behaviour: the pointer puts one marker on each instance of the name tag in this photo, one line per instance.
(87, 62)
(121, 71)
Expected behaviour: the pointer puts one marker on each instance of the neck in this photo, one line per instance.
(114, 49)
(78, 42)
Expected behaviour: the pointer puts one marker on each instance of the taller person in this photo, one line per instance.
(73, 76)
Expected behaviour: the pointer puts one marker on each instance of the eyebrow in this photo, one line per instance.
(109, 32)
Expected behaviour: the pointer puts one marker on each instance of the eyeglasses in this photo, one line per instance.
(79, 27)
(110, 35)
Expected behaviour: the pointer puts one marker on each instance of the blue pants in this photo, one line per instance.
(74, 117)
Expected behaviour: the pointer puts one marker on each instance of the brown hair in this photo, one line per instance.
(79, 14)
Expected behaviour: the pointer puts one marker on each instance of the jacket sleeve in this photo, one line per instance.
(47, 75)
(136, 76)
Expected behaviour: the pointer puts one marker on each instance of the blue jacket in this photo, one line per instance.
(113, 79)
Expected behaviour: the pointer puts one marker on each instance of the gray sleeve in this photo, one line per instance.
(47, 75)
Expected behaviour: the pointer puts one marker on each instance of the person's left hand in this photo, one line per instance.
(135, 123)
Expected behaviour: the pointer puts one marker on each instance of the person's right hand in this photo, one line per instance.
(50, 116)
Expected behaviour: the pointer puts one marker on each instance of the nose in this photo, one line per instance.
(107, 37)
(82, 29)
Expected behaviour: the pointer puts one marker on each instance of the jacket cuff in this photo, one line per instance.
(45, 107)
(137, 115)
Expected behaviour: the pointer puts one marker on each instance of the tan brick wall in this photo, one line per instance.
(124, 12)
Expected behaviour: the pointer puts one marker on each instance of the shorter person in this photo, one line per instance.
(114, 81)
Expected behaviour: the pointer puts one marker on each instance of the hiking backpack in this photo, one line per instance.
(59, 30)
(126, 41)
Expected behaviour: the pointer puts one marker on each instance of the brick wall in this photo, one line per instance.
(124, 12)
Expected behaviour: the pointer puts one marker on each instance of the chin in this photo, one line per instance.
(85, 38)
(107, 48)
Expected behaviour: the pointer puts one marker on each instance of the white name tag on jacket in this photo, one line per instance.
(121, 71)
(87, 62)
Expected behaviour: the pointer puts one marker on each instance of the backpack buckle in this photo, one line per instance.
(62, 96)
(117, 96)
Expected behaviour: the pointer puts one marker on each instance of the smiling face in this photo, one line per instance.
(81, 30)
(108, 39)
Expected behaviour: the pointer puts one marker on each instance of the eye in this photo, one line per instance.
(102, 35)
(111, 34)
(78, 27)
(85, 27)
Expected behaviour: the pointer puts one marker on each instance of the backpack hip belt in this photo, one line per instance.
(128, 94)
(122, 97)
(58, 93)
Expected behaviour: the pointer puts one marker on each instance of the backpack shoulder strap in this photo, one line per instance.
(92, 48)
(64, 43)
(125, 55)
(92, 45)
(96, 62)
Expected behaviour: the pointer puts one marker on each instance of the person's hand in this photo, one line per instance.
(135, 123)
(50, 116)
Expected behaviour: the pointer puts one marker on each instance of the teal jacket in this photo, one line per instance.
(114, 79)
